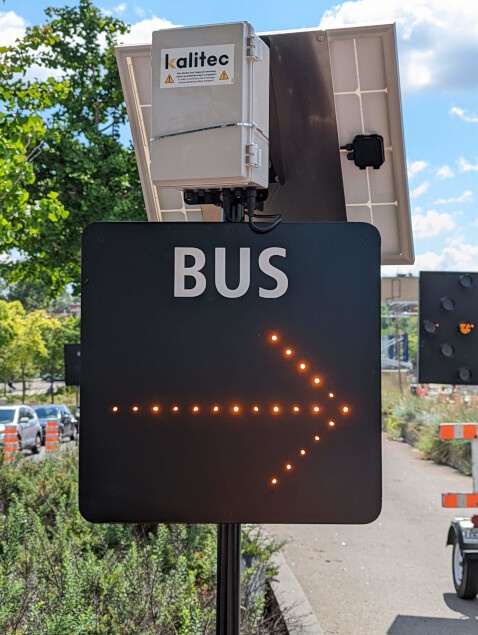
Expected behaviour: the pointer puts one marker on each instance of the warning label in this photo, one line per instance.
(197, 66)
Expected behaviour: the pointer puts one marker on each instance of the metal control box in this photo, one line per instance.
(210, 107)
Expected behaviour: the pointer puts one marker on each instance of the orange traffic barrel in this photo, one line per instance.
(10, 442)
(51, 436)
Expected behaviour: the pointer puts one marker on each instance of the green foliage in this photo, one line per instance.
(60, 574)
(422, 419)
(62, 165)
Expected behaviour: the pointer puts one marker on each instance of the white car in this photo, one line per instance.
(28, 426)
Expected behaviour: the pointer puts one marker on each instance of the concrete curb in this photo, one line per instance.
(298, 615)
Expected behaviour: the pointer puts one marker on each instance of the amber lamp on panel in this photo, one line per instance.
(274, 481)
(274, 338)
(288, 352)
(195, 408)
(288, 467)
(155, 409)
(316, 438)
(135, 408)
(331, 424)
(296, 409)
(276, 410)
(466, 327)
(316, 381)
(345, 409)
(236, 409)
(255, 409)
(115, 409)
(175, 408)
(302, 366)
(331, 395)
(302, 452)
(215, 408)
(316, 409)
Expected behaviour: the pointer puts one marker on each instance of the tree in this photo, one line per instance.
(27, 346)
(10, 314)
(56, 333)
(77, 171)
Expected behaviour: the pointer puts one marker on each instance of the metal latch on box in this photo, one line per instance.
(253, 156)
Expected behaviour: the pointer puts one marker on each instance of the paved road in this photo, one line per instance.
(393, 576)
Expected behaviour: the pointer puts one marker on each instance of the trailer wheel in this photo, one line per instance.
(465, 573)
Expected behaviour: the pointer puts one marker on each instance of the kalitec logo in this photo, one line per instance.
(195, 60)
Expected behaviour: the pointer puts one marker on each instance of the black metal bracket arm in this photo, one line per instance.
(366, 150)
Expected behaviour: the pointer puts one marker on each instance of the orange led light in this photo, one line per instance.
(331, 395)
(235, 409)
(466, 327)
(274, 337)
(115, 408)
(296, 409)
(302, 366)
(155, 408)
(175, 408)
(316, 381)
(316, 438)
(274, 481)
(275, 409)
(288, 352)
(345, 409)
(316, 409)
(331, 424)
(195, 408)
(255, 409)
(215, 409)
(302, 452)
(135, 408)
(288, 466)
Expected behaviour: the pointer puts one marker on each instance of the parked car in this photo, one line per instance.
(28, 426)
(67, 426)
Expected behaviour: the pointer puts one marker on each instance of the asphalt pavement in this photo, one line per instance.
(394, 575)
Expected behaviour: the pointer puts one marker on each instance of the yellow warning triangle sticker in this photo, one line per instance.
(224, 75)
(169, 80)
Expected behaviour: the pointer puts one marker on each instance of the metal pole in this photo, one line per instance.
(228, 579)
(474, 464)
(228, 601)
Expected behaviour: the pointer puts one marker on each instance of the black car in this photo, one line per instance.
(67, 425)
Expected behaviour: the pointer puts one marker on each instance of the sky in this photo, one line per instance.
(438, 53)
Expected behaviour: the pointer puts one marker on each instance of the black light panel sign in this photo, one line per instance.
(72, 355)
(229, 376)
(448, 344)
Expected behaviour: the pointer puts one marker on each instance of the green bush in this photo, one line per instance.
(60, 574)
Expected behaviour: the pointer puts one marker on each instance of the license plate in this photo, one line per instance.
(470, 535)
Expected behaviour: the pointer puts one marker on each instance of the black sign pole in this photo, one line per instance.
(228, 601)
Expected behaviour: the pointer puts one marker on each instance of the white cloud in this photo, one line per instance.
(12, 27)
(120, 8)
(431, 224)
(416, 167)
(142, 32)
(436, 38)
(445, 172)
(467, 167)
(457, 256)
(459, 112)
(421, 189)
(466, 197)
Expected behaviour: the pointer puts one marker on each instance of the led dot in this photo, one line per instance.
(255, 409)
(331, 424)
(296, 409)
(155, 408)
(288, 352)
(114, 408)
(302, 452)
(274, 481)
(331, 395)
(135, 408)
(175, 408)
(316, 438)
(302, 366)
(195, 408)
(288, 466)
(276, 409)
(316, 409)
(345, 409)
(316, 381)
(215, 409)
(274, 338)
(235, 409)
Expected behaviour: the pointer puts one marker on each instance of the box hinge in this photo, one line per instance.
(253, 156)
(254, 48)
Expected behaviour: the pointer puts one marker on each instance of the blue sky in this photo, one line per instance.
(438, 52)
